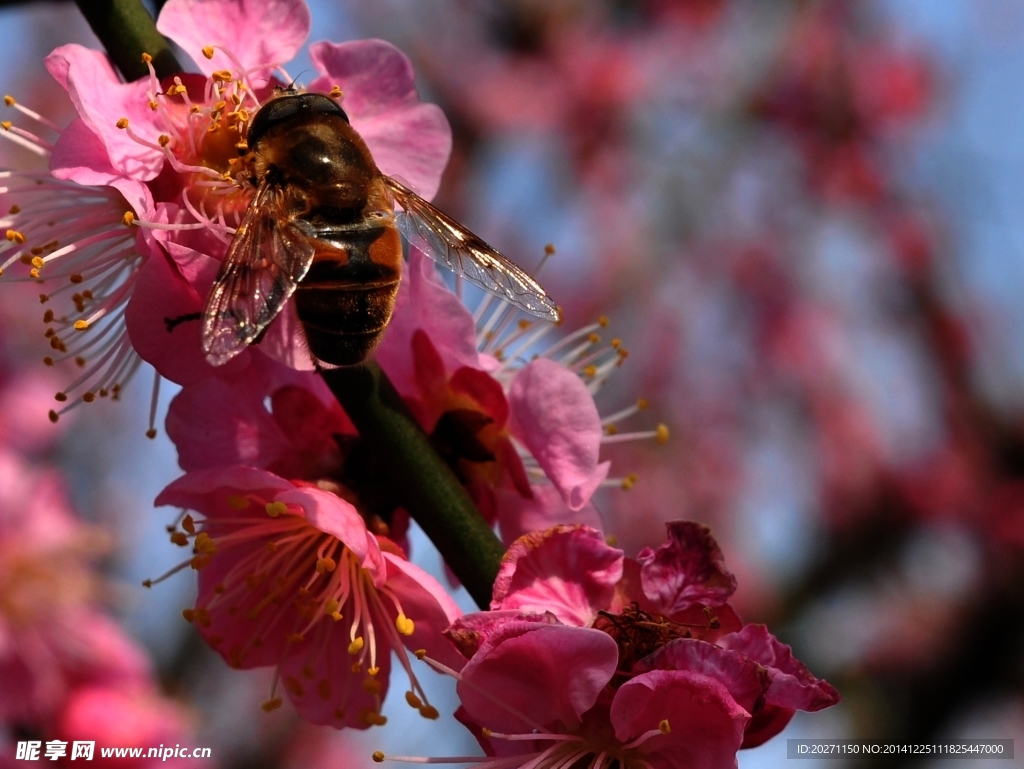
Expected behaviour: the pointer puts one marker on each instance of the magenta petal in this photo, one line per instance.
(259, 33)
(408, 139)
(569, 571)
(688, 569)
(471, 631)
(792, 684)
(553, 673)
(518, 515)
(554, 416)
(706, 722)
(101, 100)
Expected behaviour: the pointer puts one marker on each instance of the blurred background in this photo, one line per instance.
(803, 220)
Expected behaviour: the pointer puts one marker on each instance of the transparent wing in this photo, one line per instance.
(265, 262)
(448, 242)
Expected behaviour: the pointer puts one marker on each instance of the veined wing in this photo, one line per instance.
(448, 242)
(265, 262)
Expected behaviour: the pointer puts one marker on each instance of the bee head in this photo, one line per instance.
(289, 106)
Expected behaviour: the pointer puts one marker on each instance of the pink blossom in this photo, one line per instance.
(125, 717)
(600, 657)
(53, 634)
(289, 576)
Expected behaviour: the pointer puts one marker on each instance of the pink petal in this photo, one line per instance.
(518, 515)
(324, 653)
(569, 571)
(408, 139)
(551, 673)
(428, 605)
(425, 303)
(256, 32)
(554, 416)
(688, 569)
(706, 722)
(80, 156)
(101, 99)
(470, 631)
(333, 515)
(745, 680)
(161, 292)
(792, 684)
(208, 490)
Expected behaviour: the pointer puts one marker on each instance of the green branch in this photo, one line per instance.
(127, 31)
(423, 483)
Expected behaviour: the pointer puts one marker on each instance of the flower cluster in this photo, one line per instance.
(290, 517)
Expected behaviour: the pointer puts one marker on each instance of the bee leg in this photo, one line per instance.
(172, 322)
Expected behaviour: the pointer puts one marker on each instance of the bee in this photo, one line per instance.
(322, 227)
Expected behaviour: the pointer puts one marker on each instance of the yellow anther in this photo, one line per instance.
(275, 509)
(60, 397)
(413, 700)
(272, 704)
(6, 125)
(663, 727)
(163, 140)
(9, 100)
(208, 51)
(146, 58)
(372, 718)
(486, 733)
(153, 105)
(188, 614)
(371, 686)
(151, 433)
(15, 237)
(221, 76)
(128, 219)
(593, 338)
(48, 316)
(48, 361)
(524, 324)
(122, 123)
(76, 278)
(15, 209)
(37, 262)
(661, 434)
(324, 565)
(335, 92)
(590, 371)
(378, 757)
(629, 481)
(34, 272)
(81, 325)
(356, 646)
(405, 625)
(242, 147)
(420, 653)
(616, 343)
(204, 544)
(89, 397)
(372, 671)
(610, 429)
(80, 362)
(188, 523)
(331, 606)
(235, 502)
(430, 712)
(603, 321)
(194, 109)
(642, 404)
